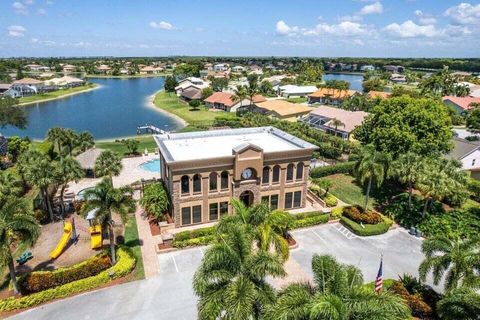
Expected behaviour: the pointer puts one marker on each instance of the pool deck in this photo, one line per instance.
(130, 173)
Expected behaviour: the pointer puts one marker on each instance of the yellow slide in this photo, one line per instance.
(96, 236)
(67, 231)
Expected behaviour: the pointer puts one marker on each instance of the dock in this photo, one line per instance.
(149, 128)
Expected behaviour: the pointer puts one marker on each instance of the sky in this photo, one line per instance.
(320, 28)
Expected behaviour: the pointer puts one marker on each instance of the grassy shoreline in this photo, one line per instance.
(99, 76)
(58, 94)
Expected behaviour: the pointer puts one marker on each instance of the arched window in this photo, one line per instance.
(290, 172)
(185, 182)
(299, 175)
(266, 175)
(213, 181)
(197, 183)
(276, 174)
(224, 180)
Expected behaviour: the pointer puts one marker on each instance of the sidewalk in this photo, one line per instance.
(148, 243)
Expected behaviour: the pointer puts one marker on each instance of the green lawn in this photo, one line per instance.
(297, 100)
(121, 149)
(345, 188)
(55, 94)
(132, 241)
(201, 117)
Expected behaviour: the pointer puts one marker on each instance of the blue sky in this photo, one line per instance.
(388, 28)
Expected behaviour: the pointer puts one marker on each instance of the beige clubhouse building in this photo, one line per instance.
(204, 170)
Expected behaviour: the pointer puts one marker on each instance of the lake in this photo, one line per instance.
(354, 79)
(112, 111)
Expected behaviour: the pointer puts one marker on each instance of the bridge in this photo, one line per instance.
(149, 128)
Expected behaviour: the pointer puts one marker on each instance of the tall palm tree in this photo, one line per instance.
(84, 141)
(67, 169)
(463, 303)
(371, 166)
(16, 223)
(267, 227)
(338, 294)
(40, 172)
(230, 281)
(240, 93)
(336, 123)
(108, 164)
(55, 136)
(407, 168)
(456, 261)
(10, 185)
(252, 90)
(106, 200)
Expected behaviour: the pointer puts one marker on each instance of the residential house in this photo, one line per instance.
(220, 67)
(104, 69)
(254, 165)
(37, 68)
(394, 69)
(69, 68)
(4, 88)
(398, 78)
(151, 70)
(224, 101)
(191, 94)
(330, 96)
(64, 82)
(27, 86)
(468, 153)
(291, 90)
(282, 109)
(191, 82)
(322, 118)
(87, 160)
(239, 69)
(367, 67)
(460, 104)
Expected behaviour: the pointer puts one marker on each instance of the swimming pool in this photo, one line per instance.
(151, 166)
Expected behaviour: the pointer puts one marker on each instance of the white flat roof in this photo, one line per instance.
(220, 143)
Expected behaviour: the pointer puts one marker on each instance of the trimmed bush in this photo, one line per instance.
(319, 172)
(125, 264)
(330, 200)
(303, 215)
(311, 221)
(369, 230)
(193, 242)
(336, 213)
(191, 234)
(356, 214)
(43, 280)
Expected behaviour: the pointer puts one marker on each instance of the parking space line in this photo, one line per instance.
(174, 263)
(318, 236)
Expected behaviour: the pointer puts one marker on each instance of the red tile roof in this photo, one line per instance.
(225, 98)
(462, 102)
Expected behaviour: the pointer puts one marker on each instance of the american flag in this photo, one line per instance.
(379, 280)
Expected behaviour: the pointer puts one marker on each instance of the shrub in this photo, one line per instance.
(198, 241)
(155, 199)
(43, 280)
(330, 200)
(336, 213)
(125, 264)
(415, 301)
(369, 229)
(303, 215)
(355, 213)
(41, 215)
(311, 221)
(190, 234)
(319, 172)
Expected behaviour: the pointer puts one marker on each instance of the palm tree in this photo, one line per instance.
(16, 223)
(108, 164)
(84, 141)
(10, 185)
(240, 93)
(62, 138)
(457, 261)
(55, 136)
(67, 169)
(230, 281)
(463, 303)
(336, 123)
(39, 171)
(337, 293)
(252, 89)
(268, 228)
(407, 168)
(372, 166)
(106, 200)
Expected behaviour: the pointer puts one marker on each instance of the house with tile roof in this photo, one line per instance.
(224, 101)
(330, 96)
(323, 118)
(460, 104)
(378, 94)
(283, 110)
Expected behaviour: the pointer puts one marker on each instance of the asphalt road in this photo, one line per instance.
(170, 295)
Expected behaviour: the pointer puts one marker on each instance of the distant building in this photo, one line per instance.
(460, 104)
(69, 68)
(322, 118)
(220, 67)
(191, 82)
(291, 90)
(225, 101)
(394, 69)
(330, 96)
(36, 68)
(283, 110)
(191, 94)
(27, 86)
(253, 165)
(239, 69)
(367, 67)
(378, 94)
(103, 69)
(151, 70)
(398, 78)
(468, 153)
(4, 88)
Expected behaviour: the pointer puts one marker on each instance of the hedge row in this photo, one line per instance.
(313, 220)
(193, 242)
(369, 230)
(43, 280)
(191, 234)
(125, 264)
(319, 172)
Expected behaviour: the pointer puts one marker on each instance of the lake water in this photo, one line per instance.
(114, 110)
(354, 79)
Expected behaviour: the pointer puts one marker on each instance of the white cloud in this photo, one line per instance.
(410, 29)
(464, 13)
(424, 18)
(162, 25)
(344, 28)
(457, 31)
(46, 43)
(284, 29)
(374, 8)
(82, 44)
(16, 31)
(41, 11)
(20, 8)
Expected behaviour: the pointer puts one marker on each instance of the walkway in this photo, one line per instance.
(148, 243)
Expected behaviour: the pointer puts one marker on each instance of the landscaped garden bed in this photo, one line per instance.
(362, 223)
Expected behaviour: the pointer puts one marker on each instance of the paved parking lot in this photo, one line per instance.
(170, 296)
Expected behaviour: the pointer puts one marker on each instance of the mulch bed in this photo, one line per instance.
(154, 227)
(165, 245)
(291, 241)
